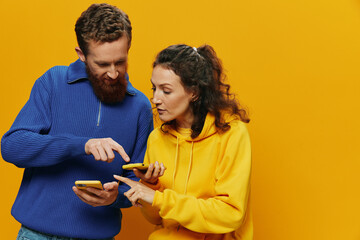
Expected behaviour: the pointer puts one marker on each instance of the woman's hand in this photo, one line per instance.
(152, 174)
(138, 191)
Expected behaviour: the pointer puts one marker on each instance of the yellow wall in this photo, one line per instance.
(294, 63)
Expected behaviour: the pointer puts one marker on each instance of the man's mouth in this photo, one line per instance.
(109, 81)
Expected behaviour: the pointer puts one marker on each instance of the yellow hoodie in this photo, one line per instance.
(205, 191)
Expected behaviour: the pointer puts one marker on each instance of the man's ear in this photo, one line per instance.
(80, 54)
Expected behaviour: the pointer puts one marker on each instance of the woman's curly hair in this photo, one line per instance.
(201, 72)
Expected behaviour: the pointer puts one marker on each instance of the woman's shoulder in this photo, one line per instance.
(237, 128)
(234, 121)
(156, 133)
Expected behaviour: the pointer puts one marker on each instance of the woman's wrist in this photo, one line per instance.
(155, 185)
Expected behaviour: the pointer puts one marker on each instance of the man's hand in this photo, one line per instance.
(103, 149)
(96, 197)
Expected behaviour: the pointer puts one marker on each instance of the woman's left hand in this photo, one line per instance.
(138, 191)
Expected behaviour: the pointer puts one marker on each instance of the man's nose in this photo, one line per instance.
(112, 72)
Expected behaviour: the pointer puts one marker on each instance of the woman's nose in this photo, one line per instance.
(155, 99)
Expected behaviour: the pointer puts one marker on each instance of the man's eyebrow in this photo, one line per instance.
(101, 62)
(106, 62)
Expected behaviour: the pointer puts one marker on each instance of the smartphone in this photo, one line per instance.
(140, 166)
(83, 184)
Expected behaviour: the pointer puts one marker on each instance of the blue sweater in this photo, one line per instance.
(48, 139)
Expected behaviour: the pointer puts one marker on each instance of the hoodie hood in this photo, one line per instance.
(208, 130)
(179, 137)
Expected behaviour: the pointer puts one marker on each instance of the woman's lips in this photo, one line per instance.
(160, 110)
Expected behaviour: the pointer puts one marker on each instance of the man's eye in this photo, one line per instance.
(166, 92)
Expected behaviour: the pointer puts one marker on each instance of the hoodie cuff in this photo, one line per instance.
(158, 199)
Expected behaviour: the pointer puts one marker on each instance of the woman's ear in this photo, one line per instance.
(80, 54)
(194, 97)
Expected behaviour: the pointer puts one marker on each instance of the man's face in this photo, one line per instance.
(106, 65)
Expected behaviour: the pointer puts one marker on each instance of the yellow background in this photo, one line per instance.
(293, 63)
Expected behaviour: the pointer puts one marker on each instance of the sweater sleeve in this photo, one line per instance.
(28, 144)
(226, 211)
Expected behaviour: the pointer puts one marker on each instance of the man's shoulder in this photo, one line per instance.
(141, 96)
(53, 75)
(57, 71)
(64, 73)
(141, 104)
(137, 95)
(58, 68)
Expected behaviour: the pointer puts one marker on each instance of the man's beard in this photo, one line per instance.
(109, 94)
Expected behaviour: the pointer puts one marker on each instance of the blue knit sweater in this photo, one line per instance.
(48, 139)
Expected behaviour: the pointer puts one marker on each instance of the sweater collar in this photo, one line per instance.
(77, 72)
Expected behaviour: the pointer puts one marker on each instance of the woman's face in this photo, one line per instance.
(171, 99)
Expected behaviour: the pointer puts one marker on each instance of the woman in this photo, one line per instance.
(204, 145)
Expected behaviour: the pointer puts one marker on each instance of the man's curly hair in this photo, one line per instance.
(102, 23)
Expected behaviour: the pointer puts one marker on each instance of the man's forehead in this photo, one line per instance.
(108, 51)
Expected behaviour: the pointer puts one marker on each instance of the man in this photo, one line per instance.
(76, 115)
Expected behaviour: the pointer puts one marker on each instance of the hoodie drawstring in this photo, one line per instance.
(176, 163)
(176, 158)
(189, 169)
